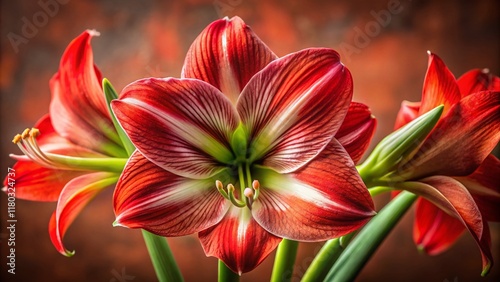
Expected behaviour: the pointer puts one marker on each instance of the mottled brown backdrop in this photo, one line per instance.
(150, 38)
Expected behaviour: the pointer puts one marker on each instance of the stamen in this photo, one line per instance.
(232, 198)
(17, 139)
(256, 188)
(25, 133)
(220, 188)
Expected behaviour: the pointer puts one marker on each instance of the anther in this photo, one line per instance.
(34, 132)
(256, 188)
(220, 188)
(25, 133)
(17, 139)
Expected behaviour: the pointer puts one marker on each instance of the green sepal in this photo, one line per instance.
(110, 93)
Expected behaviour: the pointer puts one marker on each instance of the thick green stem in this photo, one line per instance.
(359, 251)
(326, 257)
(226, 274)
(284, 261)
(163, 261)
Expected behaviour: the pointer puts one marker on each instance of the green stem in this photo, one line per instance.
(284, 261)
(163, 261)
(226, 274)
(359, 251)
(326, 257)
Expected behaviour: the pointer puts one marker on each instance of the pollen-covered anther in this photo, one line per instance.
(34, 132)
(17, 139)
(26, 141)
(25, 133)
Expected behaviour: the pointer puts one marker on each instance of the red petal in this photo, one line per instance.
(461, 140)
(78, 107)
(407, 112)
(74, 197)
(323, 200)
(484, 186)
(227, 54)
(451, 196)
(440, 86)
(357, 130)
(294, 107)
(163, 203)
(478, 80)
(182, 125)
(238, 241)
(435, 231)
(36, 183)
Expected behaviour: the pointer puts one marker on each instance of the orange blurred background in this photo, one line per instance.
(383, 43)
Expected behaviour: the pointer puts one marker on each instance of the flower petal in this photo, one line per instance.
(163, 203)
(78, 107)
(357, 130)
(37, 183)
(182, 125)
(484, 186)
(434, 230)
(407, 112)
(294, 107)
(227, 54)
(452, 197)
(461, 140)
(74, 197)
(238, 241)
(478, 80)
(323, 200)
(440, 86)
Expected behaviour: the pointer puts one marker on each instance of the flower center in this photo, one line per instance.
(249, 194)
(27, 143)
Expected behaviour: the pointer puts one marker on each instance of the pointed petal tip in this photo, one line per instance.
(117, 223)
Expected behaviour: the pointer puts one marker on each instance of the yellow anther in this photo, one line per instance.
(17, 138)
(34, 132)
(25, 133)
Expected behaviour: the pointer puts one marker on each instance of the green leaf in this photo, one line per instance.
(362, 247)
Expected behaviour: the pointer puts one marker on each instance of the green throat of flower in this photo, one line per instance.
(249, 187)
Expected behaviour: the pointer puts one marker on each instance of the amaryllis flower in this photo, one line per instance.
(242, 149)
(73, 152)
(453, 168)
